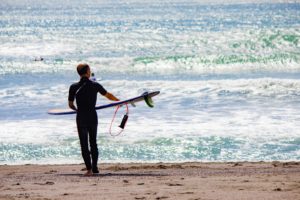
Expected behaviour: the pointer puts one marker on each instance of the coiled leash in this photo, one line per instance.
(123, 122)
(147, 98)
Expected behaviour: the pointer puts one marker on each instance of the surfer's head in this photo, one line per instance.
(84, 70)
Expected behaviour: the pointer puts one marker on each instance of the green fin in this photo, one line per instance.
(148, 100)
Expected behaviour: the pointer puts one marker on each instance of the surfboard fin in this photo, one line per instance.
(132, 104)
(148, 100)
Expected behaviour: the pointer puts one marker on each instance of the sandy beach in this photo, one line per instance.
(244, 180)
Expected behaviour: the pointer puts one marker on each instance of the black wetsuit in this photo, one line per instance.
(85, 92)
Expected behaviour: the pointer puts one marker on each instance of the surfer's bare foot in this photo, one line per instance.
(88, 173)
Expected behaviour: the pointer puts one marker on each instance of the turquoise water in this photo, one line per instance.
(228, 73)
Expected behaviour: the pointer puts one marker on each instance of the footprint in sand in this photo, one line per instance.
(47, 183)
(125, 181)
(237, 164)
(277, 189)
(187, 193)
(163, 197)
(174, 184)
(50, 172)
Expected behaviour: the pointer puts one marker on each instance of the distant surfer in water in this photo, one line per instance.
(39, 59)
(85, 92)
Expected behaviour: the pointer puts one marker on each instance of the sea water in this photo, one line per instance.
(228, 72)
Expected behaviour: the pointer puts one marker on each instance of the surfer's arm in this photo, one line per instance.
(72, 106)
(72, 92)
(108, 95)
(111, 97)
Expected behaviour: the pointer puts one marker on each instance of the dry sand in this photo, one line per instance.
(207, 181)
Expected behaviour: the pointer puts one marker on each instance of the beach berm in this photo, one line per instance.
(196, 180)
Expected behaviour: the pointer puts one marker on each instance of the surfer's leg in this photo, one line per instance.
(83, 137)
(94, 148)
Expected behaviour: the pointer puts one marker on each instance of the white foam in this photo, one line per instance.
(252, 114)
(39, 131)
(235, 107)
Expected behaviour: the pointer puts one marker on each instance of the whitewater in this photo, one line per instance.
(228, 73)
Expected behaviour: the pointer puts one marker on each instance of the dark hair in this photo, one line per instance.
(82, 69)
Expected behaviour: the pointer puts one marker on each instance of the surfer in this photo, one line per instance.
(85, 92)
(39, 59)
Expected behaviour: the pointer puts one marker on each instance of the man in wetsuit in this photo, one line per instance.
(85, 92)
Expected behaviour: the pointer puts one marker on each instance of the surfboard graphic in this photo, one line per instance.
(146, 96)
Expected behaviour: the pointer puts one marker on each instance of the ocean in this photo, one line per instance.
(228, 73)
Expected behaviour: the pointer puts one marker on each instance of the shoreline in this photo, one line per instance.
(189, 180)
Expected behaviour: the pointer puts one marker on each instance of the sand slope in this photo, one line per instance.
(205, 181)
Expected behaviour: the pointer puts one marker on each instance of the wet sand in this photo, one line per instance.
(205, 181)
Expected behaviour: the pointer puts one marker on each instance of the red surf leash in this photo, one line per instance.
(123, 123)
(148, 101)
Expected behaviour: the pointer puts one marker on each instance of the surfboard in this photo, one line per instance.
(146, 96)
